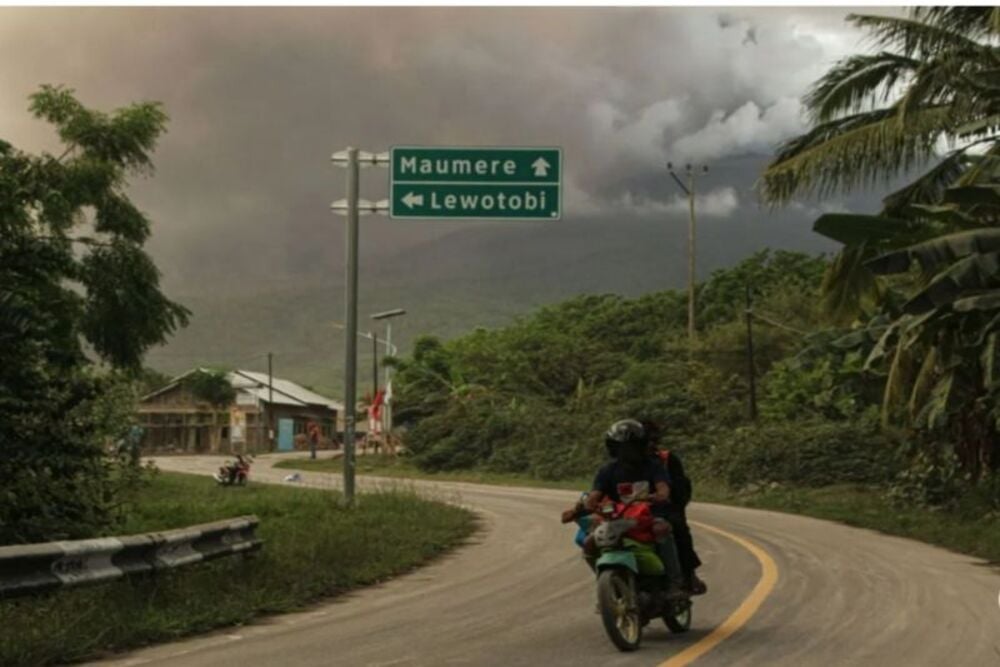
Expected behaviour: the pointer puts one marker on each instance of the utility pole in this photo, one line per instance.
(374, 364)
(689, 190)
(270, 403)
(351, 346)
(751, 373)
(351, 159)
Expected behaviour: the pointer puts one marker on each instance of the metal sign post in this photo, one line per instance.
(353, 207)
(512, 183)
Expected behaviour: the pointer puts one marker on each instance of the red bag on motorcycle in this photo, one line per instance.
(643, 516)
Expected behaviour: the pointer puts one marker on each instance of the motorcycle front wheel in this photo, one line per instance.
(619, 609)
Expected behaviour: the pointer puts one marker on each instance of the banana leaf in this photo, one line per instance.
(986, 301)
(978, 272)
(938, 251)
(974, 195)
(851, 229)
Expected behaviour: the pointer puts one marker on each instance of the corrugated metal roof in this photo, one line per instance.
(255, 384)
(300, 395)
(259, 394)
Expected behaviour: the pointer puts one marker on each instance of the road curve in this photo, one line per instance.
(518, 594)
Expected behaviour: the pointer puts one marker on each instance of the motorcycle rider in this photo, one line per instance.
(633, 474)
(234, 468)
(675, 510)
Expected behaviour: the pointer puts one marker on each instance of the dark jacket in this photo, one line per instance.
(680, 483)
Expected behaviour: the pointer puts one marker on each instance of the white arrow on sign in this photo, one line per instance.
(412, 200)
(541, 167)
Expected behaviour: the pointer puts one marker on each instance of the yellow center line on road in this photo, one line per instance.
(747, 608)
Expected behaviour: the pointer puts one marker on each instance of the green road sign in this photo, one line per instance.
(521, 183)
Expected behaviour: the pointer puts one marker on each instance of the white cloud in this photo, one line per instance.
(746, 130)
(718, 203)
(639, 140)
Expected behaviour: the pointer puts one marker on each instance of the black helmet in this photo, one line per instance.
(626, 439)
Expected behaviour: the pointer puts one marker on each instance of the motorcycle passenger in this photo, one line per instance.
(675, 511)
(633, 474)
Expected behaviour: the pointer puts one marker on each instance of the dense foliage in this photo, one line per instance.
(917, 285)
(535, 397)
(74, 280)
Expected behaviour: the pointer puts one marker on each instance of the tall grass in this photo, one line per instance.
(312, 548)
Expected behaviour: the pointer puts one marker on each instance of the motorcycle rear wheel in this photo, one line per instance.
(619, 609)
(679, 620)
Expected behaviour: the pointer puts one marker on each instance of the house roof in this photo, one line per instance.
(284, 392)
(289, 389)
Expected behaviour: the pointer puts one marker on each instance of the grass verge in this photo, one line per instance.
(385, 466)
(312, 549)
(970, 532)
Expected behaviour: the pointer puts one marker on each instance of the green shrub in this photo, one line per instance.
(933, 477)
(806, 453)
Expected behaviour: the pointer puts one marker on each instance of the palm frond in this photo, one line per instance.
(913, 37)
(988, 126)
(856, 83)
(973, 21)
(860, 150)
(929, 188)
(983, 168)
(939, 80)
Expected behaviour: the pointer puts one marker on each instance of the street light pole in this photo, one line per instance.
(387, 316)
(270, 404)
(689, 190)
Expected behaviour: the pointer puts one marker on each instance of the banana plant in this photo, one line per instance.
(937, 352)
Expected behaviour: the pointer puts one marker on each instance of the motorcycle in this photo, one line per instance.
(234, 473)
(631, 580)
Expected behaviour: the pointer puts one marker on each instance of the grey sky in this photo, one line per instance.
(259, 98)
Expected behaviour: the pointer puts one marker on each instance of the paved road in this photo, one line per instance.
(519, 595)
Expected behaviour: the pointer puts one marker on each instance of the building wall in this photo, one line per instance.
(175, 421)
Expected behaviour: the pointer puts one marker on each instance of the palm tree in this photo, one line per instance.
(879, 116)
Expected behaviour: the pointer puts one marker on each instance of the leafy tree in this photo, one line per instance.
(211, 386)
(767, 272)
(150, 380)
(74, 278)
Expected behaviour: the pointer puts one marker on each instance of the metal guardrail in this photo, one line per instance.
(34, 568)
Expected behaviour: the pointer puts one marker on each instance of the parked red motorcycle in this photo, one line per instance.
(234, 473)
